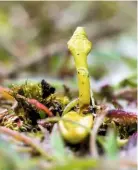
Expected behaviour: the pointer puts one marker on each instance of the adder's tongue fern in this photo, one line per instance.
(80, 47)
(72, 133)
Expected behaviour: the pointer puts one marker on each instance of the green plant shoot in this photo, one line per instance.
(80, 48)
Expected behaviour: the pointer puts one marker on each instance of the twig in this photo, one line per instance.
(37, 104)
(40, 106)
(97, 123)
(20, 137)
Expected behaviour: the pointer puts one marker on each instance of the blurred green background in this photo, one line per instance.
(34, 35)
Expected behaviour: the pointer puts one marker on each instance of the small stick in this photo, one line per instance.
(96, 125)
(20, 137)
(40, 106)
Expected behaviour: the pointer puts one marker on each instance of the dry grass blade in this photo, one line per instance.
(20, 137)
(101, 113)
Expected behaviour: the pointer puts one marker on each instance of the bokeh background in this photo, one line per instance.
(34, 35)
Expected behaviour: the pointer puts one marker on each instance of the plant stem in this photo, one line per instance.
(80, 48)
(57, 119)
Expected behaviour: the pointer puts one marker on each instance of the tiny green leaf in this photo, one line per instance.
(57, 145)
(110, 145)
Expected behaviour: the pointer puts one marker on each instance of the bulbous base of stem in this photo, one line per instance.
(75, 127)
